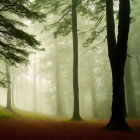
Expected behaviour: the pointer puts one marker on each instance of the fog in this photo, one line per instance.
(45, 85)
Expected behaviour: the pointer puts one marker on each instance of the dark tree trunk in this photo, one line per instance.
(117, 55)
(130, 92)
(8, 106)
(76, 113)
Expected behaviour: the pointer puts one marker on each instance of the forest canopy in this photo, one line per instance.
(14, 42)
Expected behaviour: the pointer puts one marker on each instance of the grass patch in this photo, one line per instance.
(21, 114)
(7, 114)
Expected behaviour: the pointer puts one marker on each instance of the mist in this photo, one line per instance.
(45, 84)
(69, 60)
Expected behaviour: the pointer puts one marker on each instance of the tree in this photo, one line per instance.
(13, 87)
(67, 22)
(34, 83)
(117, 51)
(8, 106)
(76, 115)
(92, 85)
(58, 91)
(15, 44)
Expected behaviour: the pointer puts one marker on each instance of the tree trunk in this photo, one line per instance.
(34, 83)
(92, 86)
(117, 55)
(58, 92)
(8, 106)
(76, 113)
(130, 93)
(13, 88)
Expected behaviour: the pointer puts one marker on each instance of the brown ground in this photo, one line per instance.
(27, 129)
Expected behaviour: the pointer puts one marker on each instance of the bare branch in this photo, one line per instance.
(54, 24)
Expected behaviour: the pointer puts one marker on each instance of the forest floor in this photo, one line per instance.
(39, 128)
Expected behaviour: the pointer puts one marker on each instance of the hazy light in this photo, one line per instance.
(49, 63)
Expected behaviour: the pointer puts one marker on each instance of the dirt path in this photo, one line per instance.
(22, 129)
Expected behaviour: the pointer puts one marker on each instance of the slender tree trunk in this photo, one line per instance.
(76, 113)
(13, 88)
(34, 83)
(92, 85)
(40, 94)
(117, 55)
(58, 92)
(130, 93)
(8, 87)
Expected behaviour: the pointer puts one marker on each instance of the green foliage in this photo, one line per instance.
(62, 10)
(95, 12)
(92, 10)
(3, 80)
(63, 28)
(19, 8)
(16, 44)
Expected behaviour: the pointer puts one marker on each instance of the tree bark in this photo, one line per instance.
(8, 106)
(117, 56)
(76, 112)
